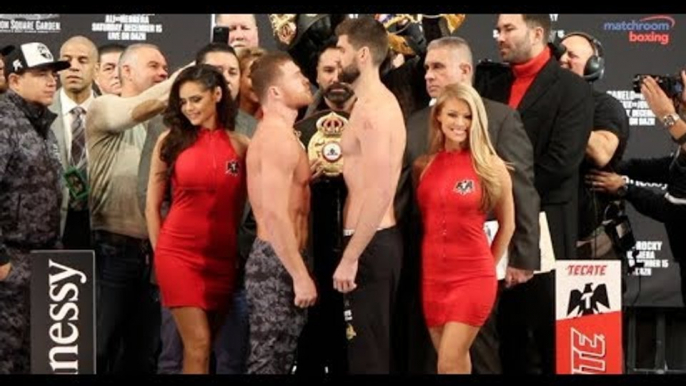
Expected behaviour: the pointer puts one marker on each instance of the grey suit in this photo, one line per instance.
(512, 145)
(58, 128)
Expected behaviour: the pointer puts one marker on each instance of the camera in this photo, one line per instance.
(672, 85)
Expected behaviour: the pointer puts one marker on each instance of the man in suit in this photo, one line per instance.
(71, 104)
(556, 107)
(449, 61)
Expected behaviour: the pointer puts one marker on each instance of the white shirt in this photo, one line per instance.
(67, 117)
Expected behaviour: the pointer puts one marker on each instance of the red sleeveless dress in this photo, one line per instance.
(196, 252)
(458, 271)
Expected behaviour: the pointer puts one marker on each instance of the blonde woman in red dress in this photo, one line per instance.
(459, 182)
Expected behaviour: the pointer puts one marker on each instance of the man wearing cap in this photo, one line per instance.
(30, 191)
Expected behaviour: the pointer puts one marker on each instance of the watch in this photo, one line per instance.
(622, 191)
(670, 120)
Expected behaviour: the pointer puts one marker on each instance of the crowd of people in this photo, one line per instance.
(225, 243)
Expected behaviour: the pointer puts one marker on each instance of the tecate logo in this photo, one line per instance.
(650, 29)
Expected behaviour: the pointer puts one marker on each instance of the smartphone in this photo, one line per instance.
(220, 35)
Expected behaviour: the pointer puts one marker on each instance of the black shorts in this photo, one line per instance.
(372, 302)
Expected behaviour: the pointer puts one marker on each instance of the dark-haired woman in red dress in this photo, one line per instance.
(196, 246)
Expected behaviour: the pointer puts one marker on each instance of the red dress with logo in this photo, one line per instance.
(196, 252)
(458, 271)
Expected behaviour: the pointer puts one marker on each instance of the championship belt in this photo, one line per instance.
(405, 34)
(448, 22)
(325, 144)
(283, 27)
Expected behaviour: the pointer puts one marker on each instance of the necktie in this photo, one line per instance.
(78, 155)
(78, 139)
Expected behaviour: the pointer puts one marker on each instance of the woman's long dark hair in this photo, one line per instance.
(182, 133)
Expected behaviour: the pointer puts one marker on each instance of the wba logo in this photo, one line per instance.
(588, 355)
(586, 302)
(464, 187)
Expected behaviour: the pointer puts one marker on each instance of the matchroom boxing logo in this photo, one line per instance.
(650, 29)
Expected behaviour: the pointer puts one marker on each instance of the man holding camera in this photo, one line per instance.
(668, 208)
(606, 145)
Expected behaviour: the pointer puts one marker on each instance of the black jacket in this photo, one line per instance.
(557, 112)
(30, 177)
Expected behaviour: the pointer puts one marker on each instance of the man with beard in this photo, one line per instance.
(328, 68)
(556, 107)
(321, 348)
(373, 147)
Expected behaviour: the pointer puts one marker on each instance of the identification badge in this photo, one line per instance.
(76, 183)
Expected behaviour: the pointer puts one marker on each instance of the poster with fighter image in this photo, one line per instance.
(588, 317)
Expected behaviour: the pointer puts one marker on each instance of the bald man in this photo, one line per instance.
(243, 32)
(605, 148)
(71, 104)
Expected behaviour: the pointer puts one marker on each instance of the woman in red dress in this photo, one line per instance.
(459, 182)
(203, 160)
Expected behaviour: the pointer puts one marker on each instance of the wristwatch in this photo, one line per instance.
(622, 191)
(670, 120)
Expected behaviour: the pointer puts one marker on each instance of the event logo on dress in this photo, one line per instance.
(587, 302)
(464, 187)
(649, 29)
(29, 23)
(232, 167)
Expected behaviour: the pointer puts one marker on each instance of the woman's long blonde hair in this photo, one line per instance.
(484, 157)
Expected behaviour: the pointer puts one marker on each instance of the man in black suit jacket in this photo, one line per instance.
(556, 107)
(448, 61)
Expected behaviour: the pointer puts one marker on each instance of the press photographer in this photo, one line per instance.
(670, 207)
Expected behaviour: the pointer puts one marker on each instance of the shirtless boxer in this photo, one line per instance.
(278, 284)
(373, 147)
